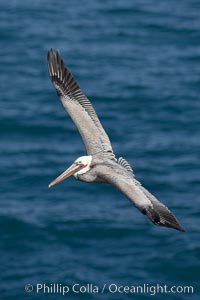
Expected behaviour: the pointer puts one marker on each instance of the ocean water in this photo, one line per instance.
(138, 62)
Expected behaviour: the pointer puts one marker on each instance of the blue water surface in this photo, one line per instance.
(139, 63)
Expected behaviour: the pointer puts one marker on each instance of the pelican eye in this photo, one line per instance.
(79, 163)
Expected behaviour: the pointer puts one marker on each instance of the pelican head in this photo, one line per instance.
(80, 166)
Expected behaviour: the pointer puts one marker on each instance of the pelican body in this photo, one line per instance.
(100, 164)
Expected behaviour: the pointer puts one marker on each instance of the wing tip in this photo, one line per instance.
(53, 58)
(164, 219)
(176, 226)
(61, 77)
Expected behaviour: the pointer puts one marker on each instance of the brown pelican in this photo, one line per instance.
(100, 165)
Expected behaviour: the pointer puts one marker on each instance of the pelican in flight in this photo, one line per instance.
(100, 164)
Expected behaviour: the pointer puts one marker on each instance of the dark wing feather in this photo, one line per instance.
(163, 216)
(79, 107)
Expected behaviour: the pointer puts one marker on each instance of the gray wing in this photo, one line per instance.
(78, 107)
(124, 181)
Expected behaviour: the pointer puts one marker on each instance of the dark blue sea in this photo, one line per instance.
(139, 64)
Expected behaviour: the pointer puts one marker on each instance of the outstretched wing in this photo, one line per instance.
(123, 180)
(78, 107)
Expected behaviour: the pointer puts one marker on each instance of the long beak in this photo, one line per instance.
(70, 171)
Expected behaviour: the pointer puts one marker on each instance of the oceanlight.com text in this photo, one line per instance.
(113, 288)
